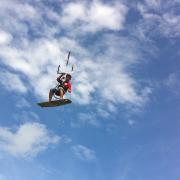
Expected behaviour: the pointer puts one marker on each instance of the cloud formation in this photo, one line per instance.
(5, 38)
(12, 82)
(28, 140)
(22, 103)
(85, 118)
(159, 18)
(39, 40)
(84, 153)
(172, 82)
(94, 16)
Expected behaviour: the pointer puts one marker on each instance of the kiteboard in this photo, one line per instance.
(54, 103)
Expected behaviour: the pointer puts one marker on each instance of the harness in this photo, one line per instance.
(64, 86)
(62, 82)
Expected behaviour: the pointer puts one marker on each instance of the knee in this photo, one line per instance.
(52, 91)
(61, 92)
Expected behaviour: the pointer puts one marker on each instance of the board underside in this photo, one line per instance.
(55, 103)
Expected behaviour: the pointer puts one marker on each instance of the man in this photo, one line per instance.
(64, 86)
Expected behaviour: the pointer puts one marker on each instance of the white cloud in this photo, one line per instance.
(84, 119)
(94, 16)
(93, 114)
(18, 9)
(84, 153)
(65, 139)
(28, 140)
(160, 18)
(26, 116)
(14, 16)
(5, 38)
(22, 102)
(73, 12)
(84, 16)
(107, 74)
(153, 3)
(12, 82)
(111, 107)
(172, 82)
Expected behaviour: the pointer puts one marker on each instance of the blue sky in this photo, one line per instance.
(124, 121)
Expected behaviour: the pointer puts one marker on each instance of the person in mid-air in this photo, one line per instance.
(64, 86)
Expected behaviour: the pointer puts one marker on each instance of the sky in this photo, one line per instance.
(124, 120)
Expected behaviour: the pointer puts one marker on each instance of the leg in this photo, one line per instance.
(51, 93)
(61, 93)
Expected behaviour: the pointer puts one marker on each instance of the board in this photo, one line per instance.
(54, 103)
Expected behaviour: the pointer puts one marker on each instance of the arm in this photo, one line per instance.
(69, 87)
(59, 78)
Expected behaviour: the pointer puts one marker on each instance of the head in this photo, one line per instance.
(68, 77)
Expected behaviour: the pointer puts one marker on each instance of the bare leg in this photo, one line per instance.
(61, 93)
(50, 95)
